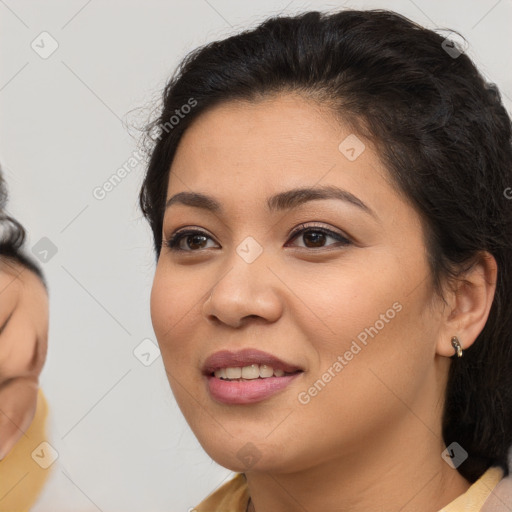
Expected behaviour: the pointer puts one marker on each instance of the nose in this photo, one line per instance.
(245, 291)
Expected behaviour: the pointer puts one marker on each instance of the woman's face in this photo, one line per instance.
(348, 302)
(23, 347)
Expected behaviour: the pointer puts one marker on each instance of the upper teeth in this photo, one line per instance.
(252, 371)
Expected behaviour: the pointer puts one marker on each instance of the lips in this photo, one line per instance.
(246, 357)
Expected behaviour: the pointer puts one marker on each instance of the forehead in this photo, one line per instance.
(243, 151)
(258, 134)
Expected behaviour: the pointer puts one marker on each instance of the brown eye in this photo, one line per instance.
(315, 236)
(195, 240)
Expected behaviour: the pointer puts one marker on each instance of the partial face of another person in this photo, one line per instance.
(23, 346)
(338, 288)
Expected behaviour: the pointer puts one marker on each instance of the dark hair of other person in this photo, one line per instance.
(12, 236)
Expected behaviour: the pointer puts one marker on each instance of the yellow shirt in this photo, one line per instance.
(474, 498)
(21, 473)
(233, 496)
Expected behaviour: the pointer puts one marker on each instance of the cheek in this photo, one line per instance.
(377, 323)
(18, 347)
(173, 306)
(158, 298)
(348, 304)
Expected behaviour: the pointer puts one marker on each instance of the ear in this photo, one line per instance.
(469, 302)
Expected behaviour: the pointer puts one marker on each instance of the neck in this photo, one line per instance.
(403, 471)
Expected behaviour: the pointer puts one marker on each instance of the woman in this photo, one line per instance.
(25, 459)
(333, 291)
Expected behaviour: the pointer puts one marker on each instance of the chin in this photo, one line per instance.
(245, 453)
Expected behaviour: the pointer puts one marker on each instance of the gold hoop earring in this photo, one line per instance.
(457, 346)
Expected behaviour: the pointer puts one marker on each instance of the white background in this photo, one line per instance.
(122, 442)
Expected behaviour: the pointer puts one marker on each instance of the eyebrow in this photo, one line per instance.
(282, 201)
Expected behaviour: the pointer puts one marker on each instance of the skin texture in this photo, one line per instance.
(23, 347)
(371, 438)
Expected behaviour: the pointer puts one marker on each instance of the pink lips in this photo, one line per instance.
(249, 391)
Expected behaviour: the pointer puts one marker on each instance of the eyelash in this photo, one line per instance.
(173, 242)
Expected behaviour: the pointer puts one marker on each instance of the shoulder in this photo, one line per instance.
(500, 499)
(26, 468)
(230, 497)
